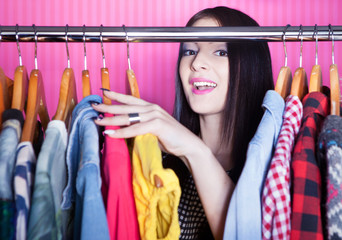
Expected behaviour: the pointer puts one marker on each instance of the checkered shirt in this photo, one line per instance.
(276, 204)
(306, 218)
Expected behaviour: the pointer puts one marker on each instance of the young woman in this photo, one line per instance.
(219, 91)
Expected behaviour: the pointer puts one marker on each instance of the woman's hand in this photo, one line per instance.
(214, 189)
(174, 138)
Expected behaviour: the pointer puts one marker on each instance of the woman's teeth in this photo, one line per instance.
(204, 84)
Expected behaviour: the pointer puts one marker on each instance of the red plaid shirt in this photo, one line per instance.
(276, 203)
(306, 221)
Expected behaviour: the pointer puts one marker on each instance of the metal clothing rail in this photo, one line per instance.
(169, 34)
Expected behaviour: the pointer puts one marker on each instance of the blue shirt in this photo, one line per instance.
(244, 220)
(84, 180)
(46, 220)
(9, 139)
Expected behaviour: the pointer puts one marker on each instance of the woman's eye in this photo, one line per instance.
(189, 52)
(221, 53)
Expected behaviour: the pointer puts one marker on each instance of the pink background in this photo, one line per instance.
(153, 63)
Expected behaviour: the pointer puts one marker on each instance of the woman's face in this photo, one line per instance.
(204, 72)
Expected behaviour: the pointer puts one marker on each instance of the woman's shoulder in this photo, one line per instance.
(177, 165)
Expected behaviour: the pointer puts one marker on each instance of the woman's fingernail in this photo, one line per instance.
(109, 131)
(100, 117)
(95, 103)
(105, 89)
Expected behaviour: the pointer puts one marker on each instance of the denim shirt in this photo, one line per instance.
(46, 220)
(83, 190)
(244, 218)
(9, 139)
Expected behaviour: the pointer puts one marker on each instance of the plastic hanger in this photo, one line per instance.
(36, 104)
(86, 87)
(20, 83)
(284, 80)
(335, 93)
(132, 80)
(316, 72)
(104, 72)
(67, 93)
(299, 86)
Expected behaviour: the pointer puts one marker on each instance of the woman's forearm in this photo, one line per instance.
(213, 185)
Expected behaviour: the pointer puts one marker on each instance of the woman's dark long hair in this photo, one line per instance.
(250, 76)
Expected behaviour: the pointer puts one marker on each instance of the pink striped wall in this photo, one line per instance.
(153, 63)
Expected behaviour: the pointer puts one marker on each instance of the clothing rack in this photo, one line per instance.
(168, 34)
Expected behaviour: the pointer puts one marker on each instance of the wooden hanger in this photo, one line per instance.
(20, 82)
(133, 83)
(299, 86)
(284, 80)
(316, 72)
(105, 84)
(36, 103)
(335, 93)
(86, 88)
(5, 92)
(67, 96)
(6, 89)
(104, 72)
(10, 84)
(316, 79)
(132, 80)
(20, 88)
(67, 93)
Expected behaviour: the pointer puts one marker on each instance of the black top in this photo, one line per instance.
(13, 114)
(192, 220)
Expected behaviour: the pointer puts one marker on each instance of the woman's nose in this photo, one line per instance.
(199, 63)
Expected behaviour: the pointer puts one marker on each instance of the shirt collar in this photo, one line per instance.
(315, 103)
(274, 103)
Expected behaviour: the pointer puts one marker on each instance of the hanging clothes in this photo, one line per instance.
(276, 199)
(117, 189)
(330, 155)
(46, 219)
(306, 222)
(156, 202)
(156, 205)
(83, 190)
(244, 218)
(13, 121)
(23, 183)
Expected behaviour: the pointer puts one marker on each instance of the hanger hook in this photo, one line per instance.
(101, 39)
(333, 44)
(85, 50)
(127, 40)
(301, 32)
(66, 42)
(35, 46)
(316, 52)
(17, 37)
(284, 33)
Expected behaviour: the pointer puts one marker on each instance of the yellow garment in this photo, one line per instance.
(157, 207)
